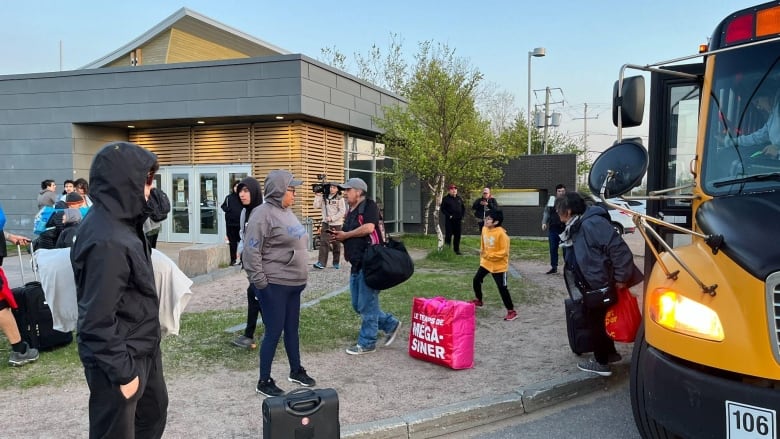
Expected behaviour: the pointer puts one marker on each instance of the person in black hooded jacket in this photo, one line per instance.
(251, 196)
(233, 207)
(118, 324)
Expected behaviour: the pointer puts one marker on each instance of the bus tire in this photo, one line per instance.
(648, 428)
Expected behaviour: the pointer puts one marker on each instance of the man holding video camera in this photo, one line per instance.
(328, 198)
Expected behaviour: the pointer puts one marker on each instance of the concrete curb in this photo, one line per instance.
(457, 417)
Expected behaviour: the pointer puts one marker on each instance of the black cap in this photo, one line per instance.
(73, 197)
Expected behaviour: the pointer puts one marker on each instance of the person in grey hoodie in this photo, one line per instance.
(275, 258)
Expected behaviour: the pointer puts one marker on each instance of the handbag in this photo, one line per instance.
(386, 265)
(623, 319)
(600, 298)
(443, 332)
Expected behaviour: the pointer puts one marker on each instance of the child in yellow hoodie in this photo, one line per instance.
(494, 259)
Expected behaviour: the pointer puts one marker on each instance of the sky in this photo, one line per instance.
(586, 42)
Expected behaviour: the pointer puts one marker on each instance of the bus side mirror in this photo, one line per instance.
(631, 102)
(619, 169)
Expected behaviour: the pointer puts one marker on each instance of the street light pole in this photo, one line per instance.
(537, 52)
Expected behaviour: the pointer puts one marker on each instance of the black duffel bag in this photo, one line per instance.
(387, 265)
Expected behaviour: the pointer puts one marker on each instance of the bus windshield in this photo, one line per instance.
(742, 149)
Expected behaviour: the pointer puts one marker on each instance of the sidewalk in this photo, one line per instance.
(388, 394)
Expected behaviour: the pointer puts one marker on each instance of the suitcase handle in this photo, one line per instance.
(305, 404)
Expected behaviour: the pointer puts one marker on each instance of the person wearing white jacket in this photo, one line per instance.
(333, 210)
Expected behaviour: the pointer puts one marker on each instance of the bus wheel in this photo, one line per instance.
(647, 427)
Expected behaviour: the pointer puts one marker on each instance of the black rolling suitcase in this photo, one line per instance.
(580, 339)
(302, 414)
(33, 316)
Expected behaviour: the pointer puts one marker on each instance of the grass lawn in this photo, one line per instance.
(330, 324)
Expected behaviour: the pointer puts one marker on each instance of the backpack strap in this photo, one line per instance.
(378, 235)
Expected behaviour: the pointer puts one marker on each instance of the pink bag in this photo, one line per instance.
(443, 332)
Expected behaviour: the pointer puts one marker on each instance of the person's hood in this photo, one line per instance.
(591, 211)
(117, 178)
(276, 184)
(255, 193)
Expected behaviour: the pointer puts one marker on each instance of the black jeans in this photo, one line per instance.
(500, 279)
(143, 415)
(233, 236)
(252, 310)
(603, 345)
(452, 232)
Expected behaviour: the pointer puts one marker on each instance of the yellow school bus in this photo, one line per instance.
(706, 361)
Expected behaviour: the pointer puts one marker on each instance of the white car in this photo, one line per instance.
(638, 206)
(621, 221)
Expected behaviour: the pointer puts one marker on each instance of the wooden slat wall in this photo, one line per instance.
(153, 52)
(322, 153)
(172, 145)
(272, 148)
(221, 144)
(302, 148)
(186, 47)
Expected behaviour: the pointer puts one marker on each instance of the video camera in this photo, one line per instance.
(321, 187)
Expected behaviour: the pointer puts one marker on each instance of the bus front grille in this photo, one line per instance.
(773, 312)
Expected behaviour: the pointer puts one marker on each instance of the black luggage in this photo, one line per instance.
(302, 414)
(580, 339)
(33, 316)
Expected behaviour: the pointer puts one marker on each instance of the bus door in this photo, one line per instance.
(674, 118)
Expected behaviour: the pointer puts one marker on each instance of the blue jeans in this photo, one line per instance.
(281, 306)
(555, 241)
(365, 301)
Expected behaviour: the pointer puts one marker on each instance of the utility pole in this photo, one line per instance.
(585, 123)
(546, 120)
(585, 137)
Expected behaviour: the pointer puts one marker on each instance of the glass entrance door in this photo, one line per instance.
(209, 190)
(181, 209)
(196, 194)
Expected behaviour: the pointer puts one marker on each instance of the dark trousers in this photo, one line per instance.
(555, 241)
(326, 246)
(142, 416)
(233, 236)
(452, 231)
(153, 239)
(252, 310)
(500, 279)
(603, 345)
(282, 305)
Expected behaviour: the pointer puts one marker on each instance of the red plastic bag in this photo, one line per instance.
(443, 332)
(623, 319)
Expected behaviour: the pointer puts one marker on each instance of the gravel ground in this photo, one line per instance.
(388, 383)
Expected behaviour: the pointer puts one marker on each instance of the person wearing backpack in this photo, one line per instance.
(361, 222)
(159, 206)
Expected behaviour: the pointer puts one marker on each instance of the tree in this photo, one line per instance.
(440, 136)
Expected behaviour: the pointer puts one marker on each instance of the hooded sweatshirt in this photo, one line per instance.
(255, 199)
(117, 299)
(275, 248)
(494, 249)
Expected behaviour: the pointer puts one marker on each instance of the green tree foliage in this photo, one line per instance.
(440, 135)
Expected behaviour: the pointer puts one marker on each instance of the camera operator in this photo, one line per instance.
(333, 210)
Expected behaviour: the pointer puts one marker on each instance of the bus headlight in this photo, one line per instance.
(680, 314)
